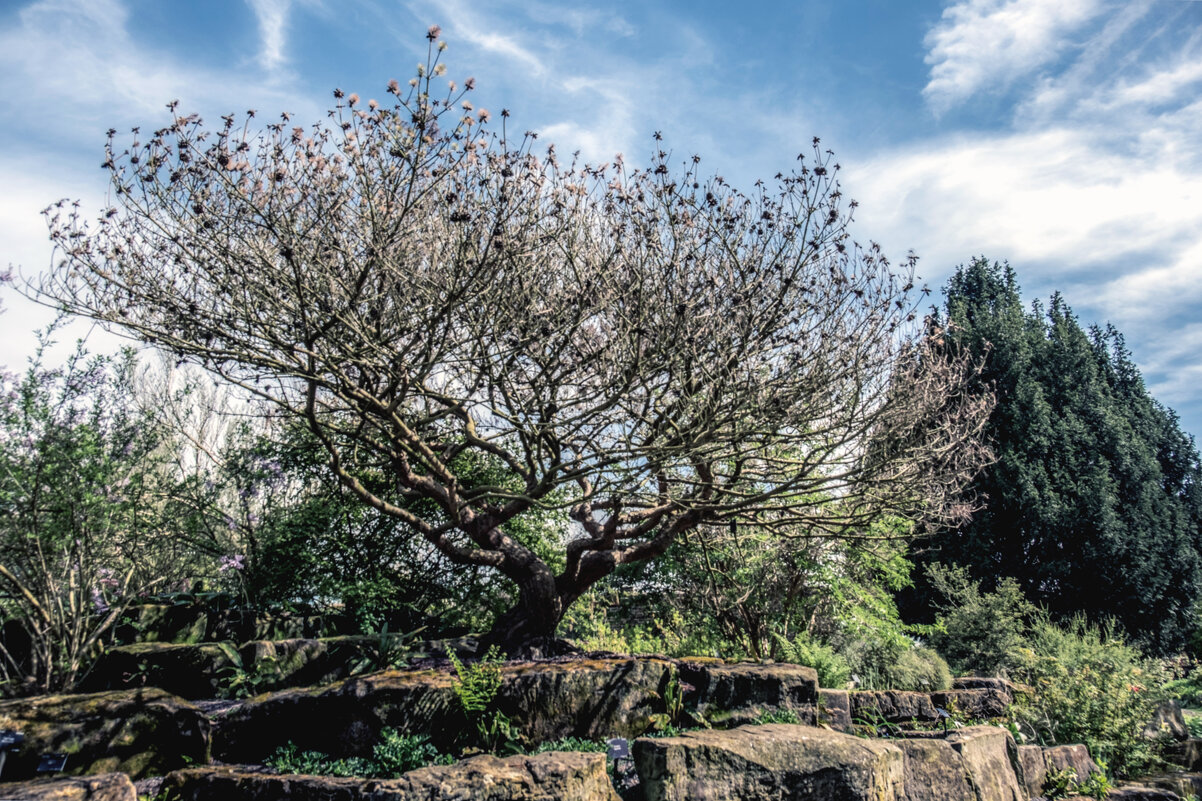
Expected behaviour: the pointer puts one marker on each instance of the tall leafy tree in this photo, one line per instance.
(1094, 502)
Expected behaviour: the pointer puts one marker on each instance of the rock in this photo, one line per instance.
(1035, 769)
(191, 671)
(775, 761)
(1183, 784)
(167, 623)
(834, 709)
(102, 787)
(900, 707)
(1070, 757)
(201, 670)
(1187, 754)
(590, 698)
(975, 704)
(893, 706)
(731, 695)
(991, 758)
(541, 777)
(1169, 721)
(138, 732)
(1136, 792)
(982, 683)
(935, 771)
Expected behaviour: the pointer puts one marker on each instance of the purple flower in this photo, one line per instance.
(98, 601)
(235, 562)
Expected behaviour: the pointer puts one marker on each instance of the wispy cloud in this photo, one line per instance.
(273, 19)
(987, 44)
(1094, 186)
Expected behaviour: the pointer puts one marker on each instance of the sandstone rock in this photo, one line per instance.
(591, 698)
(986, 683)
(991, 758)
(1070, 757)
(935, 771)
(977, 704)
(897, 706)
(1187, 754)
(834, 709)
(541, 777)
(138, 732)
(777, 761)
(1168, 720)
(1035, 769)
(894, 706)
(1183, 784)
(191, 671)
(103, 787)
(1135, 792)
(167, 623)
(731, 695)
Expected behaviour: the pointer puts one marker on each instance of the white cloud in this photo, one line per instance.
(273, 19)
(986, 44)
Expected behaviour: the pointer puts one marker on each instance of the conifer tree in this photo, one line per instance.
(1094, 502)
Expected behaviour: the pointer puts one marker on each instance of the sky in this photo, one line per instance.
(1063, 136)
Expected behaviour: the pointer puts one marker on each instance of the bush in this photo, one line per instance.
(1088, 686)
(978, 632)
(89, 512)
(920, 670)
(393, 755)
(833, 670)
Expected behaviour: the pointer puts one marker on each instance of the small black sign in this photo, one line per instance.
(10, 740)
(52, 763)
(618, 748)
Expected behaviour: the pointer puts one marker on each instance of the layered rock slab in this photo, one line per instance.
(991, 759)
(138, 732)
(731, 695)
(541, 777)
(102, 787)
(782, 762)
(591, 698)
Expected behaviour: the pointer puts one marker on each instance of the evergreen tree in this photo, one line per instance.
(1094, 502)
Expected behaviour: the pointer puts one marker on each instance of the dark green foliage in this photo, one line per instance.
(312, 542)
(978, 632)
(1094, 502)
(393, 755)
(572, 744)
(833, 670)
(778, 716)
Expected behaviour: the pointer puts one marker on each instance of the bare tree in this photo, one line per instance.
(651, 349)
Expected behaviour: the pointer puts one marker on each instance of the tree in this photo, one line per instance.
(88, 517)
(1095, 500)
(649, 349)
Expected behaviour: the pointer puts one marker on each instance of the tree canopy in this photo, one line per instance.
(649, 349)
(1094, 502)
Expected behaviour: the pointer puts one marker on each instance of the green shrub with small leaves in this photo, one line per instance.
(1088, 686)
(392, 756)
(919, 670)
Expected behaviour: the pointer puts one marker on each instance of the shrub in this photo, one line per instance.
(393, 755)
(1088, 686)
(833, 670)
(978, 632)
(920, 670)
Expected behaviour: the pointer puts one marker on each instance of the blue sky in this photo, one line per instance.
(1062, 135)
